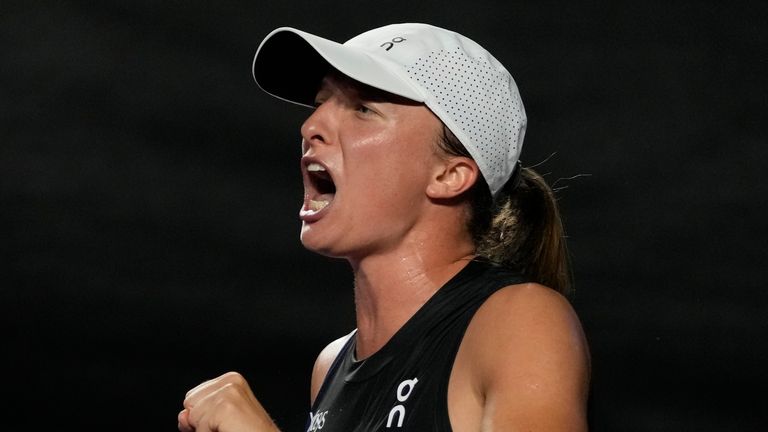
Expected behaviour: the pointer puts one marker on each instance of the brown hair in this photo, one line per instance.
(521, 228)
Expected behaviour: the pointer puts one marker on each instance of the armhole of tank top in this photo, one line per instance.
(447, 415)
(333, 369)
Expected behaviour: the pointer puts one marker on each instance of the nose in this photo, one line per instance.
(318, 127)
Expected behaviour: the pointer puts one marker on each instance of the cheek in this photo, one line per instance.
(392, 151)
(390, 165)
(370, 158)
(389, 184)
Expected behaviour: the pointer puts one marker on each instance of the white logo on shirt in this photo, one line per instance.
(316, 421)
(403, 393)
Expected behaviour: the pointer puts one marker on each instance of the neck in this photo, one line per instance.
(390, 287)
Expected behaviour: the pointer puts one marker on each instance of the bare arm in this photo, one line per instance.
(323, 364)
(529, 362)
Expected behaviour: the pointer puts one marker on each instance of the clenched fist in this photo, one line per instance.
(224, 404)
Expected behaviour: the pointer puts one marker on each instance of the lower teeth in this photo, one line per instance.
(317, 205)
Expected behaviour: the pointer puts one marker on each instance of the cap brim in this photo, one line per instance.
(290, 64)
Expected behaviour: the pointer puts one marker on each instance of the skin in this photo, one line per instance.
(523, 364)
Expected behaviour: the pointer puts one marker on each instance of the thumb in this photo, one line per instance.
(183, 419)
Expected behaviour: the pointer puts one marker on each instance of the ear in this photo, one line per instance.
(452, 177)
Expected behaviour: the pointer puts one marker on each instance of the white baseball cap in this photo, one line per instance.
(462, 83)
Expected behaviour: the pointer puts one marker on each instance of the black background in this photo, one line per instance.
(149, 194)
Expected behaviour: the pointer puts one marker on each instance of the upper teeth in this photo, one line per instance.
(315, 167)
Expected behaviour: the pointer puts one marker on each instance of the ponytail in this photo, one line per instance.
(526, 233)
(521, 228)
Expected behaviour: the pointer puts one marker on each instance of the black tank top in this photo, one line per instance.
(404, 385)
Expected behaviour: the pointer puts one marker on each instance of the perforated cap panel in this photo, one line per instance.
(479, 103)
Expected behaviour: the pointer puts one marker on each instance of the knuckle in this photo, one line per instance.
(229, 391)
(234, 378)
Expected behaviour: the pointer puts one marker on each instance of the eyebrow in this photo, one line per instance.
(364, 91)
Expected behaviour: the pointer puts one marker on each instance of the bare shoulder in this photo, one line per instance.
(529, 309)
(528, 320)
(324, 361)
(531, 357)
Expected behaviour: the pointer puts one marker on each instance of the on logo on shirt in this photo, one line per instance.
(403, 393)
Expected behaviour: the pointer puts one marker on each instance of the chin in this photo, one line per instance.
(311, 242)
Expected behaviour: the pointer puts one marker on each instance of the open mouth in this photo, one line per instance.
(320, 189)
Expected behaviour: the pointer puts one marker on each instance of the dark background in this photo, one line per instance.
(149, 194)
